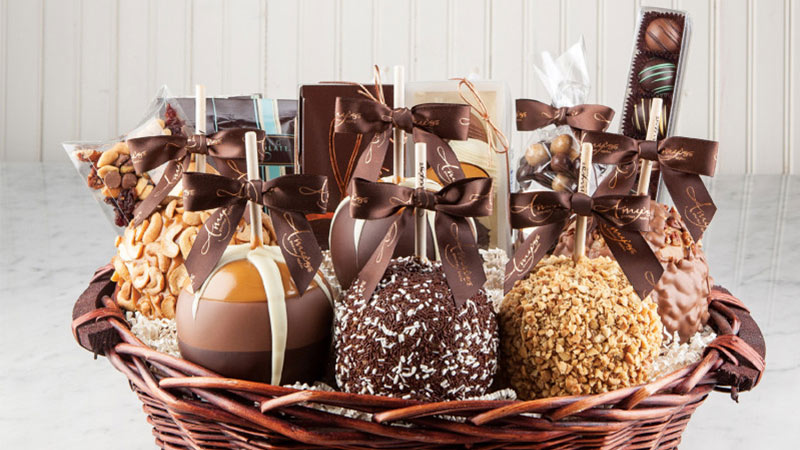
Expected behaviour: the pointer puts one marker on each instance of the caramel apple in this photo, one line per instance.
(682, 292)
(576, 328)
(248, 321)
(410, 340)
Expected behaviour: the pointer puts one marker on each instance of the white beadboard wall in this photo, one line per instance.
(85, 69)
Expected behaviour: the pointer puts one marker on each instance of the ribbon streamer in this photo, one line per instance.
(288, 199)
(533, 114)
(619, 218)
(461, 262)
(493, 133)
(147, 153)
(681, 161)
(431, 123)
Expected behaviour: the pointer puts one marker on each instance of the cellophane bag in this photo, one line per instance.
(551, 158)
(106, 167)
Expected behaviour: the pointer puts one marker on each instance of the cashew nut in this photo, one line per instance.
(168, 306)
(139, 231)
(154, 229)
(169, 211)
(186, 240)
(177, 279)
(120, 268)
(191, 218)
(168, 246)
(140, 276)
(124, 298)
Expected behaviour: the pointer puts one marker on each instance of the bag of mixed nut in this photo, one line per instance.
(551, 157)
(107, 169)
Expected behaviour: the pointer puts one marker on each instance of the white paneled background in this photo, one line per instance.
(85, 69)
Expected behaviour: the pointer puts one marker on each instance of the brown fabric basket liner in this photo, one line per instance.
(191, 407)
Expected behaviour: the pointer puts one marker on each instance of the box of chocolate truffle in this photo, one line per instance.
(657, 65)
(278, 117)
(106, 166)
(323, 152)
(275, 116)
(222, 113)
(475, 154)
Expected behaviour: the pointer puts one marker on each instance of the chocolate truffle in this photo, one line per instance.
(248, 321)
(657, 76)
(682, 292)
(576, 329)
(574, 153)
(641, 117)
(562, 164)
(410, 340)
(536, 154)
(562, 183)
(561, 144)
(663, 35)
(525, 172)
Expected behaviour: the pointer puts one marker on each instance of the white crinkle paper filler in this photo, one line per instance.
(159, 334)
(675, 355)
(494, 264)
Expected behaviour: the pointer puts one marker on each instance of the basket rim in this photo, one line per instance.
(249, 404)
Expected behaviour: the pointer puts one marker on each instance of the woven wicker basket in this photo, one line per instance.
(191, 407)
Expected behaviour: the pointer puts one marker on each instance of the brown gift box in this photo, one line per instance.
(323, 152)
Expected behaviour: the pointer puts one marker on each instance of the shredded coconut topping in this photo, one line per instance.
(410, 340)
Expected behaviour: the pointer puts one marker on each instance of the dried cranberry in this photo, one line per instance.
(172, 121)
(93, 180)
(123, 205)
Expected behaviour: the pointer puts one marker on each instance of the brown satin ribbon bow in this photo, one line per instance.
(461, 262)
(619, 218)
(533, 114)
(288, 199)
(149, 152)
(431, 123)
(681, 161)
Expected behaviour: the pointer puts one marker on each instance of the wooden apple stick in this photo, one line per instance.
(251, 149)
(200, 122)
(583, 187)
(652, 135)
(420, 216)
(399, 101)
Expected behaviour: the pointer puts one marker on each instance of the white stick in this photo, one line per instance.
(652, 135)
(200, 122)
(399, 101)
(251, 148)
(420, 215)
(583, 187)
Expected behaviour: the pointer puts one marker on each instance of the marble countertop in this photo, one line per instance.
(53, 236)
